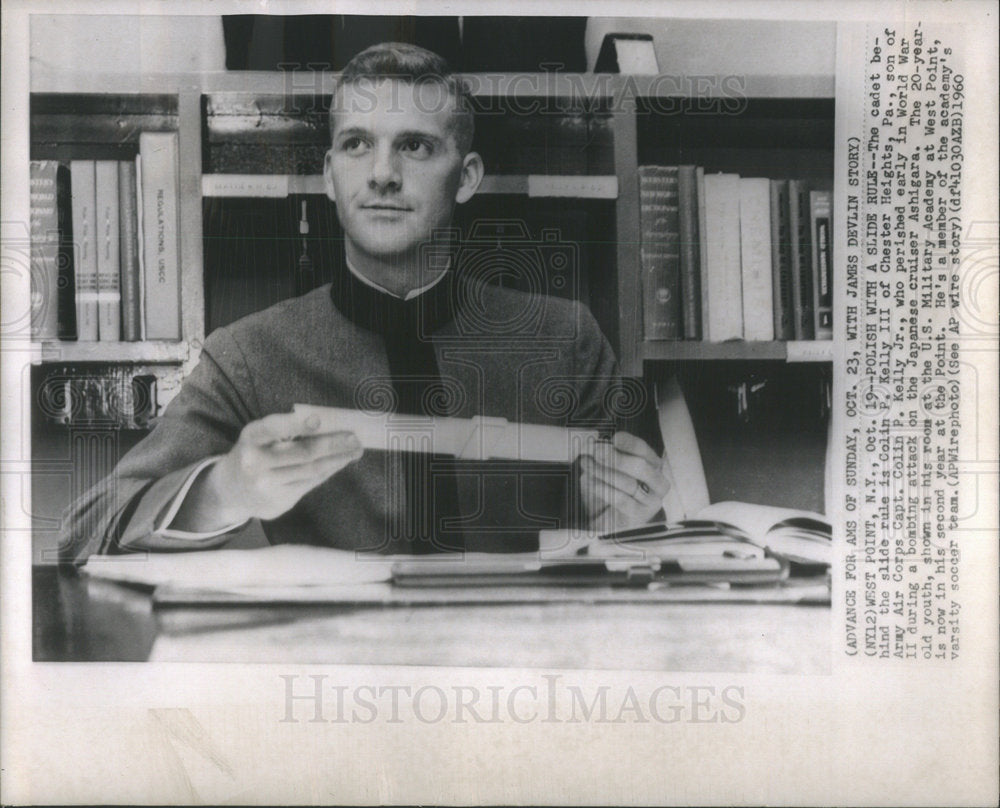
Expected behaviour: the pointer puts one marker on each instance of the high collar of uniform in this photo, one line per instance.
(383, 313)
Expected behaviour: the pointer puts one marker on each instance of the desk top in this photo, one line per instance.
(76, 621)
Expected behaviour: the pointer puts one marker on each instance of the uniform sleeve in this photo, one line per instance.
(129, 510)
(619, 403)
(616, 402)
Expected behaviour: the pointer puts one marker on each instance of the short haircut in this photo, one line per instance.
(413, 65)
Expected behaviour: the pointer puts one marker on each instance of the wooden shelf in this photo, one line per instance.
(681, 350)
(153, 352)
(589, 86)
(583, 186)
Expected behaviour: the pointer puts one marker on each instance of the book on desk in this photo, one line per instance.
(698, 560)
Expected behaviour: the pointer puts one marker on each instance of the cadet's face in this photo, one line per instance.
(394, 169)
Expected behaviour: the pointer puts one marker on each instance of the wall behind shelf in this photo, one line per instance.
(63, 44)
(692, 47)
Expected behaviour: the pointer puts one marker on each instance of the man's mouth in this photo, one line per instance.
(386, 207)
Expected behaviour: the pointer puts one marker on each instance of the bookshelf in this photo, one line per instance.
(785, 128)
(100, 122)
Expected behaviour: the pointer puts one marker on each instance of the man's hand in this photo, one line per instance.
(274, 463)
(622, 483)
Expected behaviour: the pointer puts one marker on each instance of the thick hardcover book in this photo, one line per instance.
(755, 258)
(687, 186)
(160, 206)
(723, 278)
(820, 205)
(659, 250)
(85, 248)
(108, 269)
(781, 262)
(128, 250)
(802, 296)
(44, 250)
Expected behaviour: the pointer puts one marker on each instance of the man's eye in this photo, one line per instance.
(417, 148)
(353, 145)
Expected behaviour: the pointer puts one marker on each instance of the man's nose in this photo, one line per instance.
(385, 170)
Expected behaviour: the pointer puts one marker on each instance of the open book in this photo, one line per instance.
(736, 530)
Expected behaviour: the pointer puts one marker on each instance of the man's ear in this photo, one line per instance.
(328, 176)
(472, 175)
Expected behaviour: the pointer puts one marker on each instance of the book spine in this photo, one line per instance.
(781, 261)
(724, 277)
(66, 288)
(128, 251)
(160, 203)
(702, 252)
(805, 265)
(798, 219)
(755, 259)
(108, 269)
(85, 248)
(820, 205)
(660, 251)
(687, 188)
(139, 231)
(44, 224)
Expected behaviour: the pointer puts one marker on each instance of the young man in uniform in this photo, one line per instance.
(401, 328)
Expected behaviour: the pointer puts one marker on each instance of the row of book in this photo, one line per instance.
(728, 257)
(104, 246)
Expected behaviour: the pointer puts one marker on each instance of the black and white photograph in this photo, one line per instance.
(493, 402)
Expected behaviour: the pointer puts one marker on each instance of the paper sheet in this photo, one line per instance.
(478, 438)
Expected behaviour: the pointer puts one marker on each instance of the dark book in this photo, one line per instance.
(687, 184)
(822, 266)
(802, 294)
(781, 261)
(659, 251)
(44, 249)
(702, 249)
(128, 224)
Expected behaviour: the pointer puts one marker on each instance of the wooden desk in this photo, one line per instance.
(77, 621)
